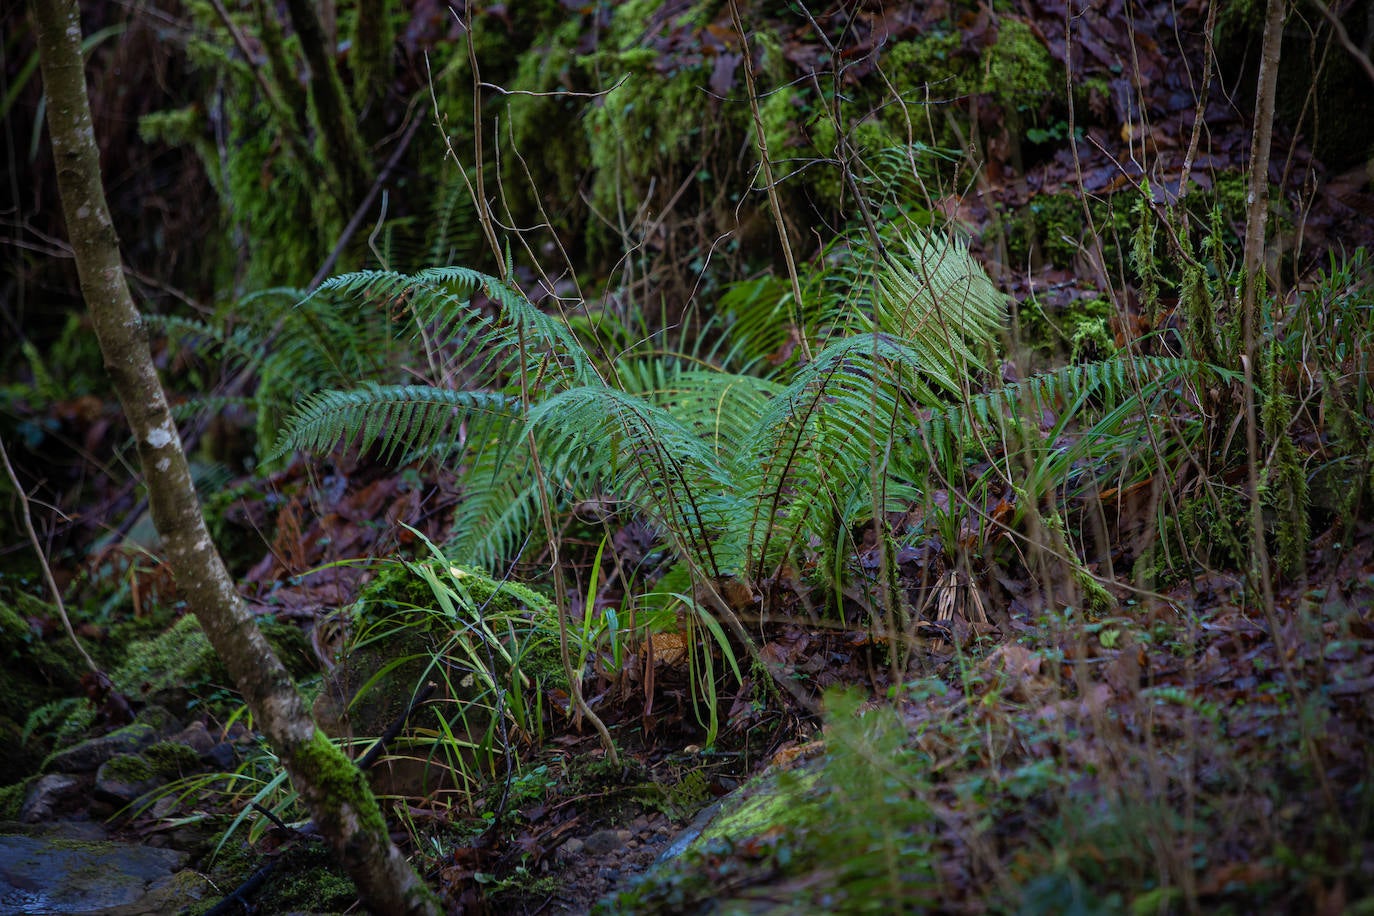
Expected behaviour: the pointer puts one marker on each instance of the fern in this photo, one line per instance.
(283, 345)
(518, 341)
(599, 435)
(402, 420)
(739, 473)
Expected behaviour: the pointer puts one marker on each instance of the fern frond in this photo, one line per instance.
(519, 338)
(1116, 388)
(936, 297)
(500, 501)
(760, 330)
(721, 407)
(597, 435)
(816, 440)
(400, 419)
(209, 340)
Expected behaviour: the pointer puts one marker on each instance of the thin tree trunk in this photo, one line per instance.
(1257, 201)
(1254, 290)
(332, 788)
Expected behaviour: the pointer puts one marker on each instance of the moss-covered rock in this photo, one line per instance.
(171, 759)
(179, 666)
(484, 643)
(12, 798)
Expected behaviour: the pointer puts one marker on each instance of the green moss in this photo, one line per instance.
(310, 881)
(326, 767)
(1082, 330)
(179, 665)
(1053, 221)
(1283, 486)
(650, 120)
(12, 799)
(930, 67)
(547, 120)
(130, 768)
(176, 127)
(170, 759)
(178, 662)
(1018, 71)
(1214, 536)
(866, 140)
(291, 646)
(35, 675)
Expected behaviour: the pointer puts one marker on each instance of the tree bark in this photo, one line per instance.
(1257, 200)
(1254, 289)
(332, 789)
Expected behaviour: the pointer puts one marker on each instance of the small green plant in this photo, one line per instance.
(488, 648)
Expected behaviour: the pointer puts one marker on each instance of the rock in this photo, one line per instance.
(605, 841)
(222, 757)
(126, 777)
(46, 795)
(168, 895)
(91, 753)
(197, 737)
(57, 875)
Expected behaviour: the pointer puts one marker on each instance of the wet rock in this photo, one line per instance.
(46, 796)
(124, 778)
(222, 757)
(90, 754)
(168, 895)
(55, 874)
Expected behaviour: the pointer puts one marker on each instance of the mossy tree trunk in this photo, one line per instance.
(344, 147)
(372, 39)
(333, 790)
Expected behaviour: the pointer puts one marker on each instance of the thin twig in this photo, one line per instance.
(1343, 37)
(557, 93)
(774, 200)
(43, 560)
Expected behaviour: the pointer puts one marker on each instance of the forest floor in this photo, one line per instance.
(1181, 750)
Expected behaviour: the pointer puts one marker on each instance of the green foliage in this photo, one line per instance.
(171, 759)
(285, 343)
(489, 646)
(728, 509)
(178, 668)
(869, 811)
(1019, 72)
(1016, 72)
(39, 678)
(742, 475)
(1320, 357)
(1284, 482)
(12, 799)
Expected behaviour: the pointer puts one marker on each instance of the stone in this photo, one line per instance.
(605, 841)
(222, 756)
(197, 737)
(125, 778)
(90, 754)
(57, 875)
(45, 796)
